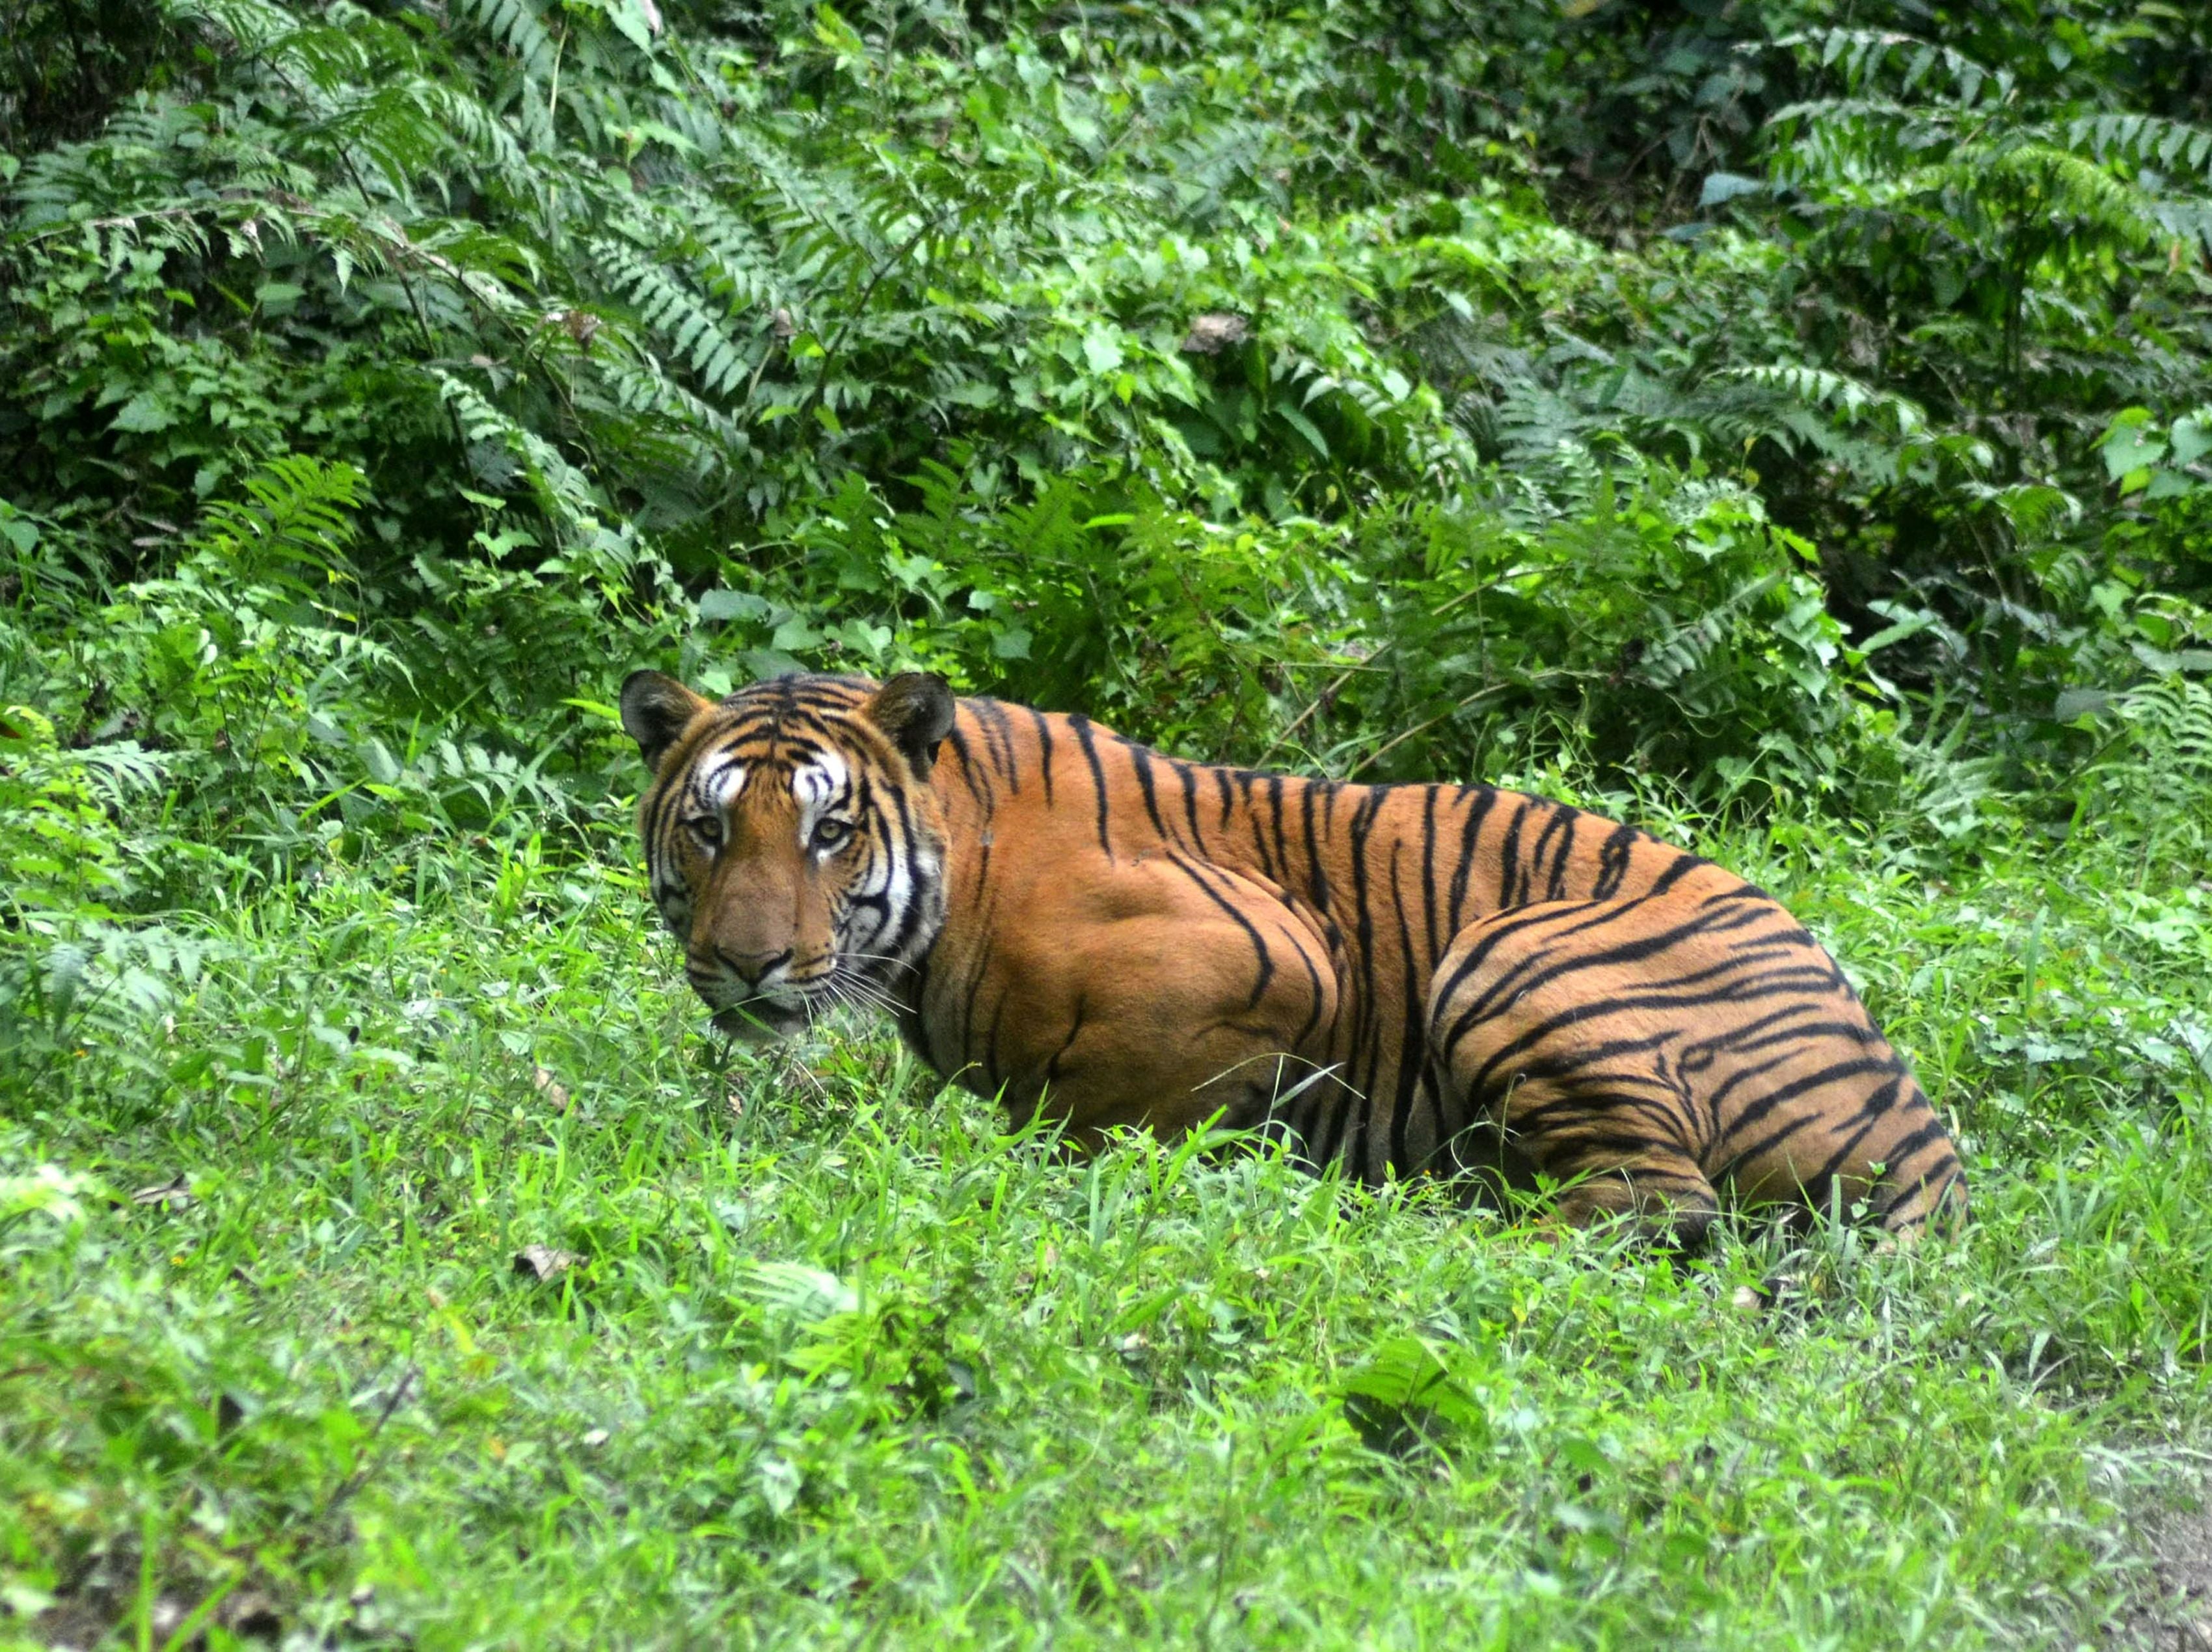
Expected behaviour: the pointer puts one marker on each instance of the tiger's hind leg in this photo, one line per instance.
(1612, 1141)
(1654, 1050)
(1590, 1102)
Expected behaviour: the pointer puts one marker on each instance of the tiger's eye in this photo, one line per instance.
(707, 829)
(831, 835)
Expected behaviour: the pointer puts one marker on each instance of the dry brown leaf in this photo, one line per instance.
(543, 1261)
(554, 1092)
(1214, 331)
(172, 1195)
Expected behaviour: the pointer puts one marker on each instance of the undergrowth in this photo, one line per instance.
(409, 1269)
(1787, 426)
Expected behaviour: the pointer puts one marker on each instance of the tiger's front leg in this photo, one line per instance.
(1162, 992)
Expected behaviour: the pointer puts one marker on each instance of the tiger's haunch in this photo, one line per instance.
(1397, 978)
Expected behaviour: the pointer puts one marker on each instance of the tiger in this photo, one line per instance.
(1401, 980)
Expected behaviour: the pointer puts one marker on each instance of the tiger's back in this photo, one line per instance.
(1399, 978)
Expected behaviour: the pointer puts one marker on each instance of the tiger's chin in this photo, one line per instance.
(761, 1020)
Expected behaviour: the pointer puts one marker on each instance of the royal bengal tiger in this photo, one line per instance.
(1398, 979)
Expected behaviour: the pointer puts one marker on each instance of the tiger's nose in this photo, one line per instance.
(753, 967)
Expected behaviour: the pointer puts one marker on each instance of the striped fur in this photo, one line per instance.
(1397, 978)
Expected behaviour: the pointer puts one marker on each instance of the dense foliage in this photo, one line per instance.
(1794, 421)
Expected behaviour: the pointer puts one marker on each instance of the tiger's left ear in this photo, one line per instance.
(655, 710)
(915, 709)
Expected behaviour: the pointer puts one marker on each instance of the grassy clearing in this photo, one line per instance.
(834, 1359)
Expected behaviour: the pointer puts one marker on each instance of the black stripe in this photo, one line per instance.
(1081, 726)
(1188, 776)
(1613, 858)
(1509, 858)
(1470, 833)
(998, 735)
(1317, 874)
(1044, 751)
(1251, 930)
(1140, 761)
(1409, 1040)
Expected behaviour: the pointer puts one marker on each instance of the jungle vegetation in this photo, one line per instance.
(1789, 426)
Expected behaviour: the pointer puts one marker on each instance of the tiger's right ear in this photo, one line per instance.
(915, 709)
(655, 710)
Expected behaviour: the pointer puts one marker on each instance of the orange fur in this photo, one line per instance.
(1397, 978)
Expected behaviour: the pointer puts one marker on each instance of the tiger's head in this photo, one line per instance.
(792, 839)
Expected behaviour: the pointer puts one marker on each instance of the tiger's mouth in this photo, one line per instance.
(789, 1007)
(762, 1020)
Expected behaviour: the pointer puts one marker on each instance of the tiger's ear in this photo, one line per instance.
(655, 709)
(915, 709)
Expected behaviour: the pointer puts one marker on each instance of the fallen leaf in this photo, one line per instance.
(250, 1613)
(1213, 333)
(543, 1262)
(173, 1195)
(550, 1088)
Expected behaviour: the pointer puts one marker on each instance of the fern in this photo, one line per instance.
(720, 362)
(517, 26)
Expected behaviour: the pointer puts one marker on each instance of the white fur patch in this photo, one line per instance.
(814, 788)
(720, 783)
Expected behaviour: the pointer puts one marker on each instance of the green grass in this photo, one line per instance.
(838, 1362)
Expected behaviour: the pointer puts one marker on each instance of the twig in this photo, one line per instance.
(1452, 710)
(860, 308)
(1298, 722)
(1329, 695)
(359, 1478)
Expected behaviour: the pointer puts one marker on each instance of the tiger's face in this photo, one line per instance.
(792, 839)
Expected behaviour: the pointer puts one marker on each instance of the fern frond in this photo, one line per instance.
(663, 303)
(1863, 55)
(518, 27)
(2142, 140)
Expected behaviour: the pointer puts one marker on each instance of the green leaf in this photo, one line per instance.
(20, 532)
(2191, 440)
(1408, 1391)
(1102, 350)
(1306, 426)
(732, 605)
(145, 412)
(2129, 446)
(1724, 186)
